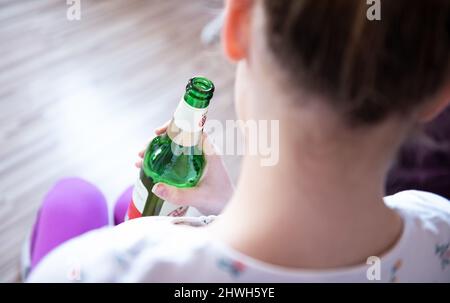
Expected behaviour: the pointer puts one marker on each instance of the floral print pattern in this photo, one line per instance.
(443, 253)
(235, 268)
(394, 270)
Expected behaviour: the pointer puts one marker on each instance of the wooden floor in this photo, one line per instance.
(81, 98)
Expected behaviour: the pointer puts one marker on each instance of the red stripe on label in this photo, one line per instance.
(133, 212)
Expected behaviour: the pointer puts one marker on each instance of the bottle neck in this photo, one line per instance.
(199, 92)
(186, 126)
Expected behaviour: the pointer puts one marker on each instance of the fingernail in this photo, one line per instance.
(159, 189)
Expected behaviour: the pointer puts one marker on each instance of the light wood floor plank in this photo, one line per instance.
(81, 98)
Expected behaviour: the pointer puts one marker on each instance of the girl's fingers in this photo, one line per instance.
(138, 164)
(162, 129)
(179, 196)
(141, 153)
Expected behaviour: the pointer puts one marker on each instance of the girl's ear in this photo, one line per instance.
(236, 29)
(436, 106)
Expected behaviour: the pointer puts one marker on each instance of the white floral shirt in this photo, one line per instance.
(163, 249)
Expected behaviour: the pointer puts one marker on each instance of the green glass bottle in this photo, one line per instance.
(176, 157)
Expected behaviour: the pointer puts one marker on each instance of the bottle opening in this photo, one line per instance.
(199, 92)
(203, 85)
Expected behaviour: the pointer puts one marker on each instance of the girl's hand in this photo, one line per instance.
(213, 191)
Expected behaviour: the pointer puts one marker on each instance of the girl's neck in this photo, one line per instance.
(321, 206)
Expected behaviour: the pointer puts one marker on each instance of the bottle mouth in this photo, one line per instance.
(202, 86)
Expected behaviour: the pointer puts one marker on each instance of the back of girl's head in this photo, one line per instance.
(368, 70)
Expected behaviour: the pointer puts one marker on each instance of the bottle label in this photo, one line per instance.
(189, 118)
(187, 124)
(173, 210)
(139, 198)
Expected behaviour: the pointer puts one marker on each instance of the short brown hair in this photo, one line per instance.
(366, 69)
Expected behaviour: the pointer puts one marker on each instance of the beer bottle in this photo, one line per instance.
(176, 157)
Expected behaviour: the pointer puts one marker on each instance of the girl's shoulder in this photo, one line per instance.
(427, 210)
(424, 250)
